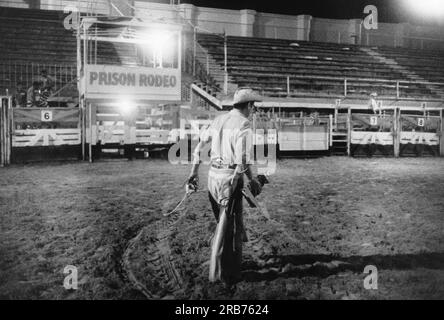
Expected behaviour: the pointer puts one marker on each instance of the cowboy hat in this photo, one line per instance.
(243, 95)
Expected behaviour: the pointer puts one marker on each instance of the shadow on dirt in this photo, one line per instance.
(322, 266)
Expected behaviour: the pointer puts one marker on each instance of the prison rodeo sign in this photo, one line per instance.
(105, 82)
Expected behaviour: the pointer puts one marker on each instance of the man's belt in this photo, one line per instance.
(223, 166)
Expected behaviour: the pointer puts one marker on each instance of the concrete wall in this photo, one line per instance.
(279, 26)
(250, 23)
(422, 37)
(154, 11)
(15, 3)
(330, 30)
(218, 21)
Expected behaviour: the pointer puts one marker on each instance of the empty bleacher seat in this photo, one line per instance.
(320, 68)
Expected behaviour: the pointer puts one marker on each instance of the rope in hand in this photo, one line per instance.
(190, 188)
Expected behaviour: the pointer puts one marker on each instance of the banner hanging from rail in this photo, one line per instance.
(139, 83)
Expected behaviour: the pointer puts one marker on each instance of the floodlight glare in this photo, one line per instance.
(126, 106)
(427, 8)
(157, 39)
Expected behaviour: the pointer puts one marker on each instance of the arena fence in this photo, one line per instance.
(29, 134)
(109, 128)
(44, 127)
(345, 131)
(44, 134)
(396, 132)
(376, 130)
(32, 134)
(420, 134)
(294, 132)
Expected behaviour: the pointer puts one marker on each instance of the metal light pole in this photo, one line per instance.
(225, 65)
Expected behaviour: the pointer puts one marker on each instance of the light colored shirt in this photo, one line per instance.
(231, 139)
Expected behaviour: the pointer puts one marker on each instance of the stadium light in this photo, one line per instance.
(160, 46)
(157, 39)
(126, 106)
(427, 8)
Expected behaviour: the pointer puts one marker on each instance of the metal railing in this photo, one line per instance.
(295, 85)
(12, 73)
(197, 63)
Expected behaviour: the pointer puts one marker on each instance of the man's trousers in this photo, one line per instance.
(226, 248)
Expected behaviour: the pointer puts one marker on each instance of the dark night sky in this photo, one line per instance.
(389, 10)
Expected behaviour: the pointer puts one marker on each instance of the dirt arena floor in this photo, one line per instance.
(331, 217)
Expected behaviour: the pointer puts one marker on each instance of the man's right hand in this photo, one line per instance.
(192, 182)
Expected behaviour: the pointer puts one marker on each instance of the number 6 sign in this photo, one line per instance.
(46, 116)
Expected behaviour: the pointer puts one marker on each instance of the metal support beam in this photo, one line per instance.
(397, 132)
(90, 121)
(349, 130)
(5, 131)
(225, 65)
(288, 85)
(441, 138)
(194, 50)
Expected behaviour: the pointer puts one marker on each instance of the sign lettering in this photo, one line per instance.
(145, 83)
(371, 20)
(46, 116)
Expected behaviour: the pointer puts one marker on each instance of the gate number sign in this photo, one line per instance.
(421, 122)
(373, 121)
(46, 116)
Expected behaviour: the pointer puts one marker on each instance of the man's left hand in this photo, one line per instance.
(255, 187)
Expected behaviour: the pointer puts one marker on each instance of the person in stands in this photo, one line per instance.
(47, 81)
(47, 87)
(19, 99)
(33, 95)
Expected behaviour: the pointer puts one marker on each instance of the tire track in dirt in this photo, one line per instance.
(161, 260)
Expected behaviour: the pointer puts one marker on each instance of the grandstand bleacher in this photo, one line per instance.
(320, 68)
(428, 64)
